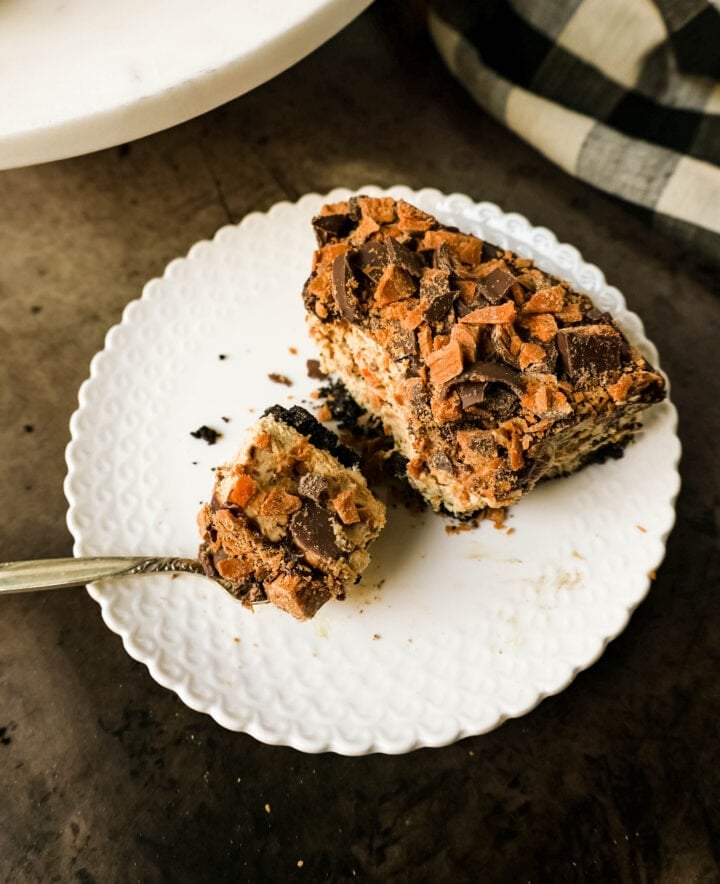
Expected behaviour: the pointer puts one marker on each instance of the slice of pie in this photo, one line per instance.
(489, 373)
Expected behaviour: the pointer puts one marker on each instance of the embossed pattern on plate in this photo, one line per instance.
(446, 636)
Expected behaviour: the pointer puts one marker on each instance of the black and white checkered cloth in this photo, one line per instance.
(624, 94)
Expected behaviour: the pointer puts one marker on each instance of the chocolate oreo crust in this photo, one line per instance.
(300, 419)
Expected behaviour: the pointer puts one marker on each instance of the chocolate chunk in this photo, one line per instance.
(300, 419)
(311, 528)
(344, 286)
(439, 307)
(314, 371)
(329, 227)
(435, 287)
(492, 372)
(587, 351)
(491, 252)
(402, 256)
(371, 258)
(462, 309)
(313, 486)
(496, 285)
(471, 393)
(207, 434)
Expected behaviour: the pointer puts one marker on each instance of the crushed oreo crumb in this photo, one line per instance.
(28, 428)
(301, 420)
(381, 465)
(225, 420)
(207, 434)
(222, 356)
(343, 407)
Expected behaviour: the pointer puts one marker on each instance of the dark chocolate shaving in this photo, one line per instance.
(344, 285)
(471, 393)
(311, 528)
(492, 372)
(462, 309)
(301, 420)
(328, 227)
(371, 258)
(490, 252)
(589, 350)
(435, 288)
(402, 256)
(496, 285)
(253, 593)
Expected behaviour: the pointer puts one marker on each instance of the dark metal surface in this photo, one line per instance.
(105, 775)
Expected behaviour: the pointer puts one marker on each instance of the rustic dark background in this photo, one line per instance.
(104, 775)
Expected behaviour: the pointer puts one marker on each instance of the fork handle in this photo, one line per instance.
(59, 573)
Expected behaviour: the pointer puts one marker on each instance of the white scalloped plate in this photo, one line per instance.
(447, 635)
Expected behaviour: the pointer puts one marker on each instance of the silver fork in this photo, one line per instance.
(59, 573)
